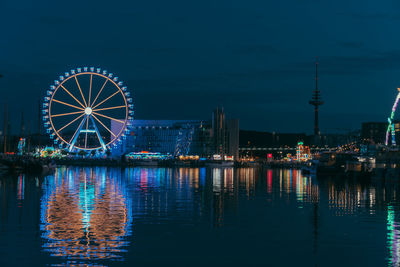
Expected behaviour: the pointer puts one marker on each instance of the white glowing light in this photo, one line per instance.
(88, 111)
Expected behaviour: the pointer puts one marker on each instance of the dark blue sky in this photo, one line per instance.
(182, 58)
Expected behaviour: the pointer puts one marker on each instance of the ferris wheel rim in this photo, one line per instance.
(94, 109)
(118, 91)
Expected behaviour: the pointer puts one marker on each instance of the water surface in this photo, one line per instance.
(197, 217)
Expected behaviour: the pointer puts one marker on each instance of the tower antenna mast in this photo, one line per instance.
(316, 100)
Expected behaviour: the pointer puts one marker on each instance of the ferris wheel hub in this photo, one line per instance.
(88, 111)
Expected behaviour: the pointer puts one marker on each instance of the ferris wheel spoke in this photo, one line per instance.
(62, 128)
(65, 89)
(99, 92)
(65, 114)
(61, 102)
(76, 134)
(106, 99)
(105, 127)
(100, 109)
(80, 90)
(90, 89)
(107, 117)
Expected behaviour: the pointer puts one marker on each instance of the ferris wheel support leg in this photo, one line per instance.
(393, 135)
(78, 131)
(98, 134)
(387, 135)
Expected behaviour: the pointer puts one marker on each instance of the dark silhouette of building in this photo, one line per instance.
(268, 139)
(374, 131)
(219, 130)
(232, 128)
(225, 134)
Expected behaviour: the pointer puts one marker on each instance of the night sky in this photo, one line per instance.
(183, 58)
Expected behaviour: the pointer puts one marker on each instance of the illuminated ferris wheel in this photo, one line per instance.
(87, 109)
(390, 131)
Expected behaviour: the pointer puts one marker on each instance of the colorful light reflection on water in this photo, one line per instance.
(86, 214)
(162, 216)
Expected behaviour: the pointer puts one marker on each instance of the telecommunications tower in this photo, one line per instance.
(316, 101)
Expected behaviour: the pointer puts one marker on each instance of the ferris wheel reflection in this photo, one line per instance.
(85, 214)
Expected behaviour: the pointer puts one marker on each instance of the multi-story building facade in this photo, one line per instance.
(175, 137)
(182, 137)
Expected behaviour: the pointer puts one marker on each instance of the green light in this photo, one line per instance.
(390, 234)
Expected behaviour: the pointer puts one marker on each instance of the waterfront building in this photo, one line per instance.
(175, 137)
(375, 131)
(182, 137)
(232, 129)
(219, 130)
(225, 134)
